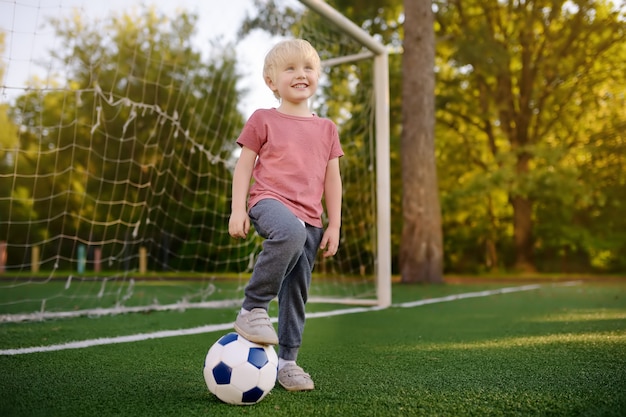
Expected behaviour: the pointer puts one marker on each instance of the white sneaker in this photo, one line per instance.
(256, 327)
(293, 378)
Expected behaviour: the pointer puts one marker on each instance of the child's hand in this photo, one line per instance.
(239, 224)
(330, 241)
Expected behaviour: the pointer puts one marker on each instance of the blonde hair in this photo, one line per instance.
(287, 50)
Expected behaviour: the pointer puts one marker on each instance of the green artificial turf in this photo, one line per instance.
(553, 351)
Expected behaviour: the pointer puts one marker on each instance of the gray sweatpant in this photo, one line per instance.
(283, 268)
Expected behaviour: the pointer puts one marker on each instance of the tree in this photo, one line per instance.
(10, 202)
(529, 128)
(127, 152)
(421, 249)
(517, 81)
(8, 130)
(417, 238)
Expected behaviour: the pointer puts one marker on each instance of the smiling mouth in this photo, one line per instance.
(300, 86)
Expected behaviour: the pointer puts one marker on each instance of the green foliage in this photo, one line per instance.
(8, 135)
(133, 121)
(530, 104)
(270, 17)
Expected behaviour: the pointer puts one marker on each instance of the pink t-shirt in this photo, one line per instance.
(293, 153)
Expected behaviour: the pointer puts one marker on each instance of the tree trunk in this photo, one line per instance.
(522, 234)
(421, 248)
(522, 221)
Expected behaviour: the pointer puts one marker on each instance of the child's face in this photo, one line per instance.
(295, 81)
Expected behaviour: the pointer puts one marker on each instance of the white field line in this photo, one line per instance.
(228, 326)
(100, 312)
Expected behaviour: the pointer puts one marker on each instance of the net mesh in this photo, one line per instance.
(117, 161)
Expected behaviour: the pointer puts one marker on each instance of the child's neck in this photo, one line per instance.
(300, 109)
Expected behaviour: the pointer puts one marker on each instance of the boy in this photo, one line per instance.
(293, 156)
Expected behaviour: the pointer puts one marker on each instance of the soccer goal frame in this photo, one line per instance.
(117, 199)
(381, 92)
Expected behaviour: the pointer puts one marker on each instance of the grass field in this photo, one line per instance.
(551, 350)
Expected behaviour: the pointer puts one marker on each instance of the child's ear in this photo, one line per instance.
(270, 83)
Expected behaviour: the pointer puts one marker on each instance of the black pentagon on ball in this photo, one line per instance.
(257, 357)
(221, 373)
(228, 338)
(252, 396)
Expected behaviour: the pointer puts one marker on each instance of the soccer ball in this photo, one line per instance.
(238, 371)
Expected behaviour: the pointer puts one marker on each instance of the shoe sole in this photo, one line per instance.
(297, 387)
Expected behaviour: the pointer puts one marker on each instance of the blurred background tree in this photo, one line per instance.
(529, 140)
(121, 131)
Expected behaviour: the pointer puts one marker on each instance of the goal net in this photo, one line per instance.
(117, 147)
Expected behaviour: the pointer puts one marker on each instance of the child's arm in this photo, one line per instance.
(239, 223)
(332, 196)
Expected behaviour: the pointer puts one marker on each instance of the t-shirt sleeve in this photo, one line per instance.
(251, 135)
(335, 150)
